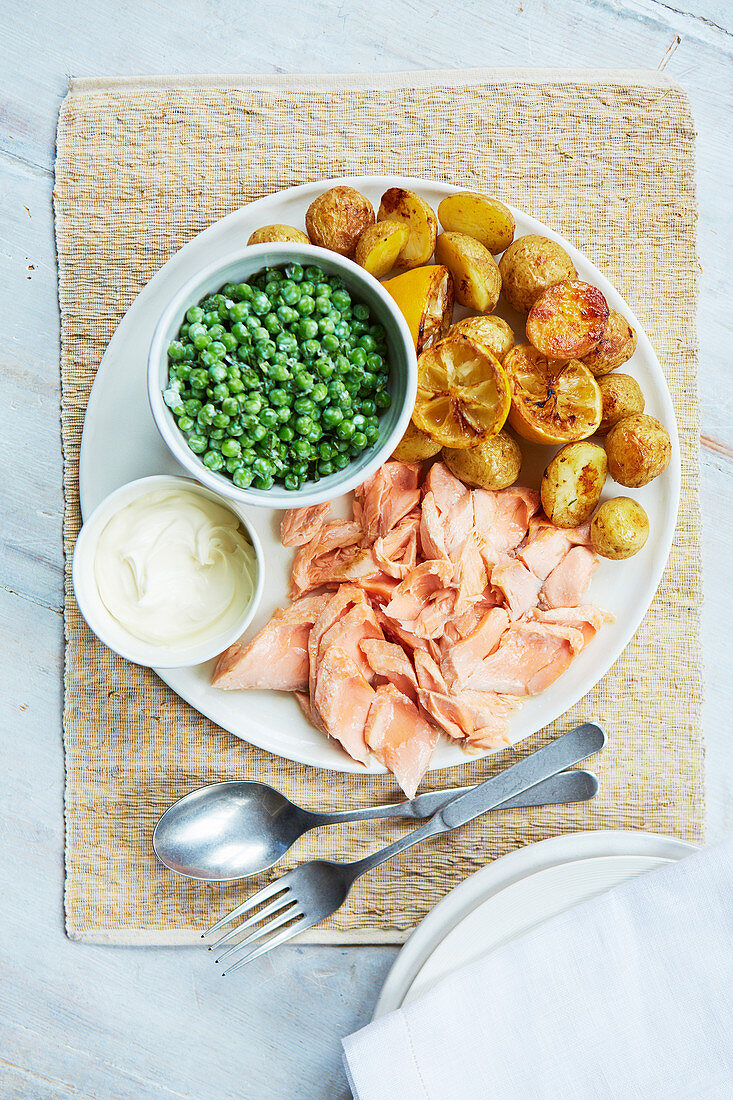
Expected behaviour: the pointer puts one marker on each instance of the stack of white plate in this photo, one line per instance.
(516, 894)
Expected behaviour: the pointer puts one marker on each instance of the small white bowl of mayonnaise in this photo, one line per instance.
(166, 572)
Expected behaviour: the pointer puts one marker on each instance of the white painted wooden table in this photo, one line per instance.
(123, 1023)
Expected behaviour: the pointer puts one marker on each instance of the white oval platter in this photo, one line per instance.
(120, 443)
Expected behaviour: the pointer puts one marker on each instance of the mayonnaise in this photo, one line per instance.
(175, 567)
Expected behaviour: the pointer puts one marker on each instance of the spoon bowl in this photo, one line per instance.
(227, 831)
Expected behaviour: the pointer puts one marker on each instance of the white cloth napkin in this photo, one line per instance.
(627, 996)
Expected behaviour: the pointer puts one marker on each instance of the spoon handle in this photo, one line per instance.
(565, 787)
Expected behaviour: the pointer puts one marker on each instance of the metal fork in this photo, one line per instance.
(310, 893)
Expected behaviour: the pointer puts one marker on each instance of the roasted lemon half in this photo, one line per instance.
(462, 393)
(552, 401)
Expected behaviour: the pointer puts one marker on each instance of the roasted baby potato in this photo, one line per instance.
(622, 396)
(619, 529)
(338, 218)
(638, 449)
(572, 483)
(567, 321)
(271, 234)
(378, 248)
(405, 206)
(529, 266)
(493, 464)
(616, 345)
(490, 331)
(476, 277)
(415, 446)
(478, 216)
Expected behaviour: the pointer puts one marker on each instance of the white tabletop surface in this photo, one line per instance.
(129, 1023)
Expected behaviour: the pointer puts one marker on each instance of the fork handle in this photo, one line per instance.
(571, 786)
(572, 747)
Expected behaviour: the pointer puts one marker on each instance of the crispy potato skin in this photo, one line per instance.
(476, 277)
(379, 246)
(615, 347)
(567, 321)
(638, 449)
(529, 266)
(621, 396)
(619, 529)
(415, 446)
(490, 331)
(493, 464)
(479, 216)
(399, 204)
(338, 218)
(271, 234)
(572, 483)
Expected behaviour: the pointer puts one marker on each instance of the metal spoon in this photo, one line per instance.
(227, 831)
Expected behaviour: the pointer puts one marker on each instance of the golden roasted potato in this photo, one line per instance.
(493, 464)
(379, 246)
(490, 331)
(271, 234)
(415, 446)
(616, 345)
(621, 395)
(405, 206)
(529, 266)
(479, 216)
(638, 449)
(572, 483)
(619, 529)
(567, 321)
(338, 218)
(476, 277)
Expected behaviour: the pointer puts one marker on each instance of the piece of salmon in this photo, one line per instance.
(490, 713)
(396, 552)
(414, 593)
(501, 519)
(586, 618)
(342, 699)
(450, 513)
(389, 662)
(464, 658)
(530, 656)
(301, 525)
(387, 497)
(400, 737)
(336, 605)
(357, 625)
(519, 585)
(567, 583)
(438, 701)
(318, 557)
(277, 657)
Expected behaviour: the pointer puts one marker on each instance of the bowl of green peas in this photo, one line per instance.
(282, 375)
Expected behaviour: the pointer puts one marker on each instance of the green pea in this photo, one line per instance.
(323, 308)
(268, 418)
(194, 314)
(326, 326)
(198, 443)
(286, 433)
(309, 349)
(291, 482)
(324, 366)
(213, 460)
(307, 330)
(231, 448)
(371, 433)
(330, 342)
(290, 294)
(304, 381)
(242, 477)
(272, 323)
(341, 299)
(216, 331)
(242, 292)
(383, 400)
(303, 425)
(294, 272)
(304, 406)
(319, 393)
(283, 414)
(260, 304)
(279, 372)
(332, 415)
(306, 305)
(258, 432)
(340, 461)
(358, 440)
(346, 428)
(201, 340)
(221, 391)
(175, 350)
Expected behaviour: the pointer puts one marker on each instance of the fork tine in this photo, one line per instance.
(266, 892)
(277, 904)
(281, 937)
(276, 922)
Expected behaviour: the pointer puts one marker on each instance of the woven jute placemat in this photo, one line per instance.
(142, 166)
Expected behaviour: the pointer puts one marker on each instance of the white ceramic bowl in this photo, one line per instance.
(237, 267)
(107, 629)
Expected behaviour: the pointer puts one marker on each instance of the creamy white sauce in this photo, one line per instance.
(173, 567)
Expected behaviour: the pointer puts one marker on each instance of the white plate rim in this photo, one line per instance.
(543, 875)
(180, 680)
(489, 880)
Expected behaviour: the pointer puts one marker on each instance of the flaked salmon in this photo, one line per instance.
(530, 656)
(389, 662)
(387, 497)
(400, 737)
(276, 659)
(342, 699)
(567, 583)
(301, 525)
(465, 657)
